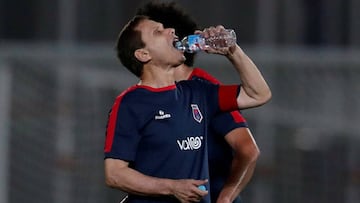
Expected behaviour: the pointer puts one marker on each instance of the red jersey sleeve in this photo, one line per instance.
(227, 97)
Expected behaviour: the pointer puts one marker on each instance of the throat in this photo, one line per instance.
(158, 77)
(182, 72)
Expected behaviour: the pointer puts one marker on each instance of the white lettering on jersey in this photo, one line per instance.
(190, 143)
(162, 115)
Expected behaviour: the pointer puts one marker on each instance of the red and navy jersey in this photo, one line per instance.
(219, 152)
(162, 132)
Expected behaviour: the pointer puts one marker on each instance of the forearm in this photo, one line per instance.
(240, 175)
(119, 175)
(246, 153)
(134, 182)
(248, 175)
(254, 91)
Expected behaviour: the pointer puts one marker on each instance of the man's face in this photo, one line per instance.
(159, 42)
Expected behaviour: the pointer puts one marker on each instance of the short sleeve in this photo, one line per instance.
(122, 136)
(227, 96)
(223, 123)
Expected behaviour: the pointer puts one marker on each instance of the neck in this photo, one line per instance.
(182, 72)
(157, 77)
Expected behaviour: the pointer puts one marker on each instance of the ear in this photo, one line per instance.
(142, 55)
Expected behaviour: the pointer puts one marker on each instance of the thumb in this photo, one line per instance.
(201, 182)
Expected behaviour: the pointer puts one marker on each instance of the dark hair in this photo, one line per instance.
(170, 14)
(128, 42)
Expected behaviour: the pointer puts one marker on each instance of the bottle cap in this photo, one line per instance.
(202, 187)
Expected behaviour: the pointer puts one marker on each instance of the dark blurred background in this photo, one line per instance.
(59, 77)
(276, 22)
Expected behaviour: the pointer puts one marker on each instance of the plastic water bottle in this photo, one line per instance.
(195, 43)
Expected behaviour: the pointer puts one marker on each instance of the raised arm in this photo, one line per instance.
(254, 90)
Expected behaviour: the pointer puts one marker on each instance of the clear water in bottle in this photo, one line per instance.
(195, 43)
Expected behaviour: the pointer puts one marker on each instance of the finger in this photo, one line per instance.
(209, 31)
(220, 28)
(198, 32)
(201, 182)
(195, 198)
(212, 31)
(210, 28)
(201, 193)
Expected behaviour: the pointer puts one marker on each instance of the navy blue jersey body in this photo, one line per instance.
(219, 152)
(162, 132)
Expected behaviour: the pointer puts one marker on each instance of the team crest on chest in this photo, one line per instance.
(196, 113)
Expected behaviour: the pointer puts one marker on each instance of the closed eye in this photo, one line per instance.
(159, 29)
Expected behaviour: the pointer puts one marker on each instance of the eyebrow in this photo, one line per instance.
(159, 25)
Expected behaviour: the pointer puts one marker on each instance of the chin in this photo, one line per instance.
(183, 58)
(180, 61)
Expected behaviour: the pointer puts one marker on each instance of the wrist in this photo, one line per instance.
(168, 187)
(234, 52)
(223, 199)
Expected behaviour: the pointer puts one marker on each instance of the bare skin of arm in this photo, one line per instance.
(254, 90)
(119, 175)
(241, 139)
(243, 164)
